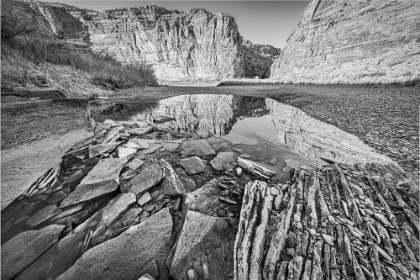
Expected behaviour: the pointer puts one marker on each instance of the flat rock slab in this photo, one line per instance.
(236, 139)
(205, 242)
(171, 146)
(140, 131)
(109, 214)
(197, 148)
(206, 199)
(193, 165)
(42, 215)
(96, 150)
(25, 248)
(125, 256)
(104, 170)
(85, 193)
(123, 152)
(224, 160)
(135, 163)
(153, 148)
(149, 176)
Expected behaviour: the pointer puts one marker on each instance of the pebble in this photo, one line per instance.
(328, 239)
(193, 207)
(150, 208)
(272, 161)
(392, 272)
(192, 274)
(284, 187)
(312, 231)
(362, 197)
(274, 191)
(394, 240)
(291, 252)
(413, 276)
(206, 268)
(231, 215)
(238, 171)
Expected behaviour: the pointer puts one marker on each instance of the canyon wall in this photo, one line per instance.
(180, 46)
(341, 41)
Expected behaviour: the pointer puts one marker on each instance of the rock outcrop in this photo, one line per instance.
(353, 42)
(258, 59)
(180, 46)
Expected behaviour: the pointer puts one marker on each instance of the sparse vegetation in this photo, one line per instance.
(104, 70)
(14, 22)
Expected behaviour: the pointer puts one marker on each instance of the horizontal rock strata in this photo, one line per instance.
(353, 42)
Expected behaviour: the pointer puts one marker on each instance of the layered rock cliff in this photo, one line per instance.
(180, 46)
(341, 41)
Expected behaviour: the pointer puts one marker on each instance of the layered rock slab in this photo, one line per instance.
(206, 246)
(23, 249)
(127, 254)
(353, 42)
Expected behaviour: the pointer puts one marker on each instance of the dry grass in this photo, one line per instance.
(41, 63)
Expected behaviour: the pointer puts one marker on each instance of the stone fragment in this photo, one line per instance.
(129, 253)
(140, 131)
(144, 199)
(207, 239)
(246, 156)
(171, 146)
(312, 231)
(104, 170)
(329, 239)
(149, 176)
(238, 171)
(239, 139)
(192, 274)
(273, 161)
(42, 215)
(146, 277)
(96, 150)
(141, 143)
(25, 248)
(197, 148)
(107, 215)
(84, 193)
(135, 164)
(193, 165)
(123, 152)
(171, 184)
(223, 160)
(151, 269)
(356, 189)
(152, 148)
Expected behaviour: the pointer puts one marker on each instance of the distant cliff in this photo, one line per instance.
(341, 41)
(180, 46)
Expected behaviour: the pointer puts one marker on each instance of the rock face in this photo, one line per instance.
(258, 59)
(180, 46)
(353, 42)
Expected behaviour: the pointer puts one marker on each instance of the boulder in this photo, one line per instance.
(84, 193)
(193, 165)
(149, 176)
(224, 160)
(206, 245)
(125, 256)
(25, 248)
(199, 148)
(104, 170)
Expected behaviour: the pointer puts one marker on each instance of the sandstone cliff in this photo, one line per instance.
(353, 42)
(180, 46)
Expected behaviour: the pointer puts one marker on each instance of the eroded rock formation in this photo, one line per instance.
(353, 42)
(180, 46)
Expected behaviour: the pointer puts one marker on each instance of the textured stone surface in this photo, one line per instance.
(149, 176)
(42, 215)
(127, 254)
(258, 59)
(223, 160)
(193, 165)
(353, 42)
(104, 170)
(23, 249)
(85, 193)
(205, 241)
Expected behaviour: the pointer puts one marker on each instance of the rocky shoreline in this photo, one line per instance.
(138, 199)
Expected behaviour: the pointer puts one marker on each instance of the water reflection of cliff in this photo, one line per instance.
(315, 139)
(207, 114)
